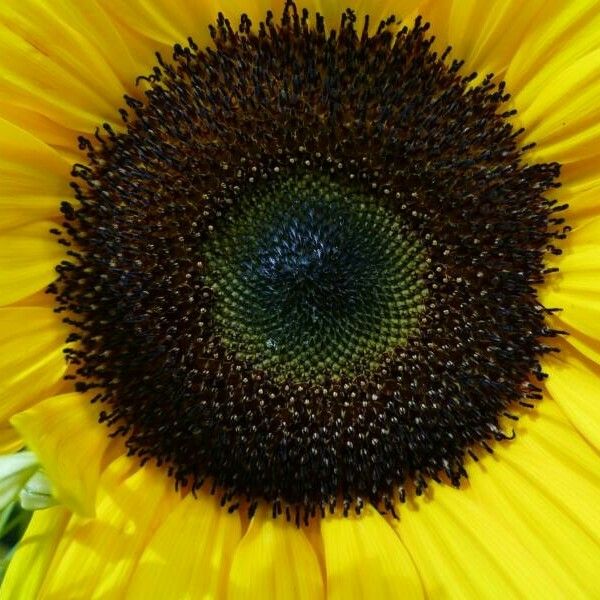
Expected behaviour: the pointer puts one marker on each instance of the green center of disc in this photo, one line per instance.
(313, 280)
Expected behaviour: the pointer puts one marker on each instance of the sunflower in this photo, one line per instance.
(301, 300)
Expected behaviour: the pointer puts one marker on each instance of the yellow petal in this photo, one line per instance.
(10, 440)
(561, 539)
(76, 84)
(403, 10)
(582, 239)
(158, 26)
(163, 25)
(28, 255)
(38, 300)
(33, 178)
(72, 87)
(555, 93)
(456, 546)
(90, 47)
(189, 555)
(587, 346)
(485, 35)
(33, 555)
(34, 80)
(274, 560)
(364, 559)
(64, 433)
(580, 192)
(520, 526)
(580, 310)
(96, 556)
(574, 383)
(580, 184)
(561, 464)
(32, 366)
(159, 22)
(42, 128)
(535, 58)
(563, 116)
(576, 287)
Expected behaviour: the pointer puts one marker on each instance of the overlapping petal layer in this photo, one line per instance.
(95, 557)
(28, 255)
(31, 344)
(276, 560)
(34, 178)
(190, 553)
(363, 559)
(34, 554)
(64, 433)
(525, 513)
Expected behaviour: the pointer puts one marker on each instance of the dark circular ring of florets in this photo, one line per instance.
(379, 112)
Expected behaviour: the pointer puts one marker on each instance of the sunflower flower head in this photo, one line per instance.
(306, 334)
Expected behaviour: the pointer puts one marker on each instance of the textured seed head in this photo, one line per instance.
(305, 274)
